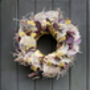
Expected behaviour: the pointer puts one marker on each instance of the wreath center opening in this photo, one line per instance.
(46, 44)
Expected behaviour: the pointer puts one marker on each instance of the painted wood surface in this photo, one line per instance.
(13, 76)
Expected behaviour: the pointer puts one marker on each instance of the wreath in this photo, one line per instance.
(54, 64)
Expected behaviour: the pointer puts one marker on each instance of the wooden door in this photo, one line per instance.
(13, 76)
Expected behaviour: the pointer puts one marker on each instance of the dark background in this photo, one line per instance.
(13, 76)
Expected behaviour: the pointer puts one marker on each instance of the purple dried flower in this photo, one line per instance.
(57, 58)
(32, 74)
(19, 38)
(30, 49)
(38, 25)
(47, 29)
(40, 73)
(55, 26)
(70, 32)
(66, 65)
(60, 44)
(61, 20)
(70, 46)
(69, 38)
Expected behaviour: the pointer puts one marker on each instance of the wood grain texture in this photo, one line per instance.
(43, 5)
(64, 5)
(63, 82)
(24, 83)
(88, 45)
(78, 73)
(8, 67)
(0, 45)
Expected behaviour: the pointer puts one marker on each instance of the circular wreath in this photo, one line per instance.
(54, 64)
